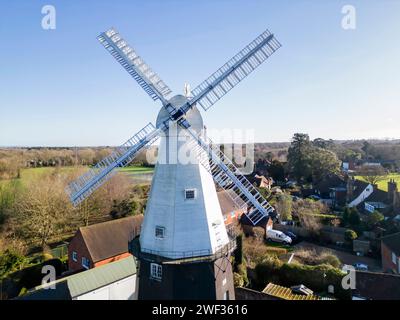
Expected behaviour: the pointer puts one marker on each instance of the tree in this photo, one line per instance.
(367, 148)
(277, 170)
(323, 144)
(284, 207)
(299, 161)
(323, 164)
(309, 220)
(354, 217)
(104, 200)
(372, 173)
(374, 218)
(42, 208)
(346, 215)
(311, 161)
(351, 217)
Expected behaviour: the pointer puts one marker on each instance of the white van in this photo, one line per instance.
(277, 236)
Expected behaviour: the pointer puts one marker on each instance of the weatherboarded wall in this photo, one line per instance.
(124, 289)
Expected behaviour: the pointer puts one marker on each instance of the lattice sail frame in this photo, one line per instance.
(134, 64)
(225, 174)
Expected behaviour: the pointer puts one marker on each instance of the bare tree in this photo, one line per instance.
(98, 206)
(372, 173)
(42, 208)
(284, 207)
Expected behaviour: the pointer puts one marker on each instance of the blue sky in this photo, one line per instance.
(60, 87)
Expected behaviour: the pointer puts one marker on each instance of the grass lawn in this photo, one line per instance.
(30, 174)
(136, 170)
(382, 185)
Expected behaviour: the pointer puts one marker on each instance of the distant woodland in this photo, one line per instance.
(387, 152)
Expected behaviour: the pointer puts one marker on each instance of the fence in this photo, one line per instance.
(60, 251)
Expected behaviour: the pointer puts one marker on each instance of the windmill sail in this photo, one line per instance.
(234, 71)
(134, 64)
(81, 188)
(228, 177)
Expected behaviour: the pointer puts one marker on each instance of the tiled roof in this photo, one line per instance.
(109, 239)
(227, 204)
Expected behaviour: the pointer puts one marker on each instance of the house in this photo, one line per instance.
(368, 198)
(112, 281)
(332, 190)
(231, 211)
(390, 250)
(260, 181)
(102, 243)
(348, 167)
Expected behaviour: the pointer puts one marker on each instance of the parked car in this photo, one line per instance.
(314, 197)
(361, 266)
(291, 235)
(278, 236)
(347, 267)
(287, 223)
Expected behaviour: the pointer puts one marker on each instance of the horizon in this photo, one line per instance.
(61, 88)
(376, 140)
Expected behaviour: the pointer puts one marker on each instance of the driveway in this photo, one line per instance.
(345, 257)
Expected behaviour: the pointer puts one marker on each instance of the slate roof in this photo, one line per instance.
(109, 239)
(333, 181)
(378, 196)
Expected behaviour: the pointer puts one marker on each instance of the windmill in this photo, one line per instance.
(183, 222)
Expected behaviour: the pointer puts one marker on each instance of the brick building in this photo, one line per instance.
(231, 211)
(390, 249)
(102, 243)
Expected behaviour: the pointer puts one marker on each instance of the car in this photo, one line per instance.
(314, 197)
(278, 236)
(346, 268)
(360, 266)
(291, 235)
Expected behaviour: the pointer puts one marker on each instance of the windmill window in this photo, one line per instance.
(160, 232)
(74, 256)
(190, 193)
(155, 271)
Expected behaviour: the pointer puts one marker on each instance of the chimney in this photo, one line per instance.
(350, 188)
(392, 190)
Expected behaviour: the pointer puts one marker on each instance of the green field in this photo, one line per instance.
(30, 174)
(136, 170)
(382, 185)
